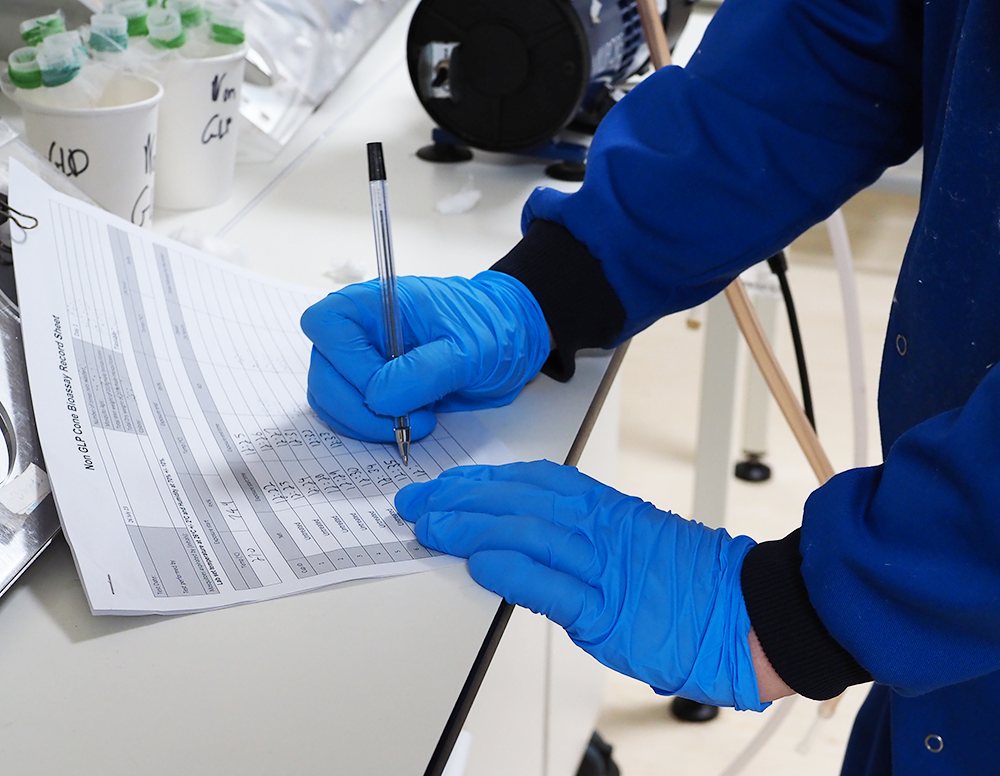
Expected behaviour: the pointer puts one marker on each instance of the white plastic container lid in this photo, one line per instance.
(130, 9)
(71, 38)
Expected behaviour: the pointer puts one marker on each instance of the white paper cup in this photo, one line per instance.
(109, 150)
(197, 140)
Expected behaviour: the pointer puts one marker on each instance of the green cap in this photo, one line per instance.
(34, 31)
(59, 64)
(22, 65)
(225, 24)
(165, 28)
(108, 32)
(135, 11)
(190, 11)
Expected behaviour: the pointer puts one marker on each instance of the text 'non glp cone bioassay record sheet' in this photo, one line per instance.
(170, 396)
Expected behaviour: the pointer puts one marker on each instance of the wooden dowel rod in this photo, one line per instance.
(746, 319)
(774, 376)
(652, 30)
(739, 302)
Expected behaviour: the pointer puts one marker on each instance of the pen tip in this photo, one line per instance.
(403, 442)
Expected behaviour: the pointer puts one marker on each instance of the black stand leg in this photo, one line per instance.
(692, 711)
(567, 171)
(753, 469)
(597, 759)
(444, 152)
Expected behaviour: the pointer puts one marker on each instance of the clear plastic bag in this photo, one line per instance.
(298, 53)
(300, 50)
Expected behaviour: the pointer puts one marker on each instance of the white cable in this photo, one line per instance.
(778, 714)
(837, 229)
(844, 260)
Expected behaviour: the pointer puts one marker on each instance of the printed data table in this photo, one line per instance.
(187, 465)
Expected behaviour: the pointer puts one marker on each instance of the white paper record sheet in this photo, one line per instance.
(170, 396)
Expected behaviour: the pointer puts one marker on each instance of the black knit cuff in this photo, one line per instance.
(579, 305)
(790, 631)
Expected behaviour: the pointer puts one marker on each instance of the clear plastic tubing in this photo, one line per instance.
(852, 320)
(22, 66)
(165, 28)
(778, 714)
(190, 11)
(108, 32)
(135, 11)
(34, 31)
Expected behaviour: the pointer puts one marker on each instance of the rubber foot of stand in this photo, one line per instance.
(753, 470)
(567, 171)
(692, 711)
(597, 759)
(443, 152)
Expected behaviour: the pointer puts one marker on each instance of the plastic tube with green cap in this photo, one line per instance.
(22, 66)
(165, 28)
(71, 38)
(108, 33)
(225, 24)
(58, 63)
(191, 13)
(135, 11)
(34, 31)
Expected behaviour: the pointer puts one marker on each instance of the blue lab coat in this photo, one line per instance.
(788, 108)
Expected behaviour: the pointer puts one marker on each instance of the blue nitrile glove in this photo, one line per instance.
(469, 344)
(647, 593)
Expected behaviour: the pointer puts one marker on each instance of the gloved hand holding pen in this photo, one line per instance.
(469, 344)
(647, 593)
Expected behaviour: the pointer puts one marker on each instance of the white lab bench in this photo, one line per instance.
(357, 678)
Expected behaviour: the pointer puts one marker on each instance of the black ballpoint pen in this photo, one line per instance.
(391, 319)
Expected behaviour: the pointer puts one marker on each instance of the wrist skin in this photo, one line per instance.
(769, 684)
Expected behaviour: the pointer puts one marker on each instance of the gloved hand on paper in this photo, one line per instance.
(469, 344)
(646, 592)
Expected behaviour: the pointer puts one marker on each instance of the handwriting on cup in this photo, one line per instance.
(142, 207)
(219, 126)
(216, 129)
(149, 153)
(72, 162)
(228, 93)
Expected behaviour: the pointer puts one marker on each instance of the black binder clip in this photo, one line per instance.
(16, 217)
